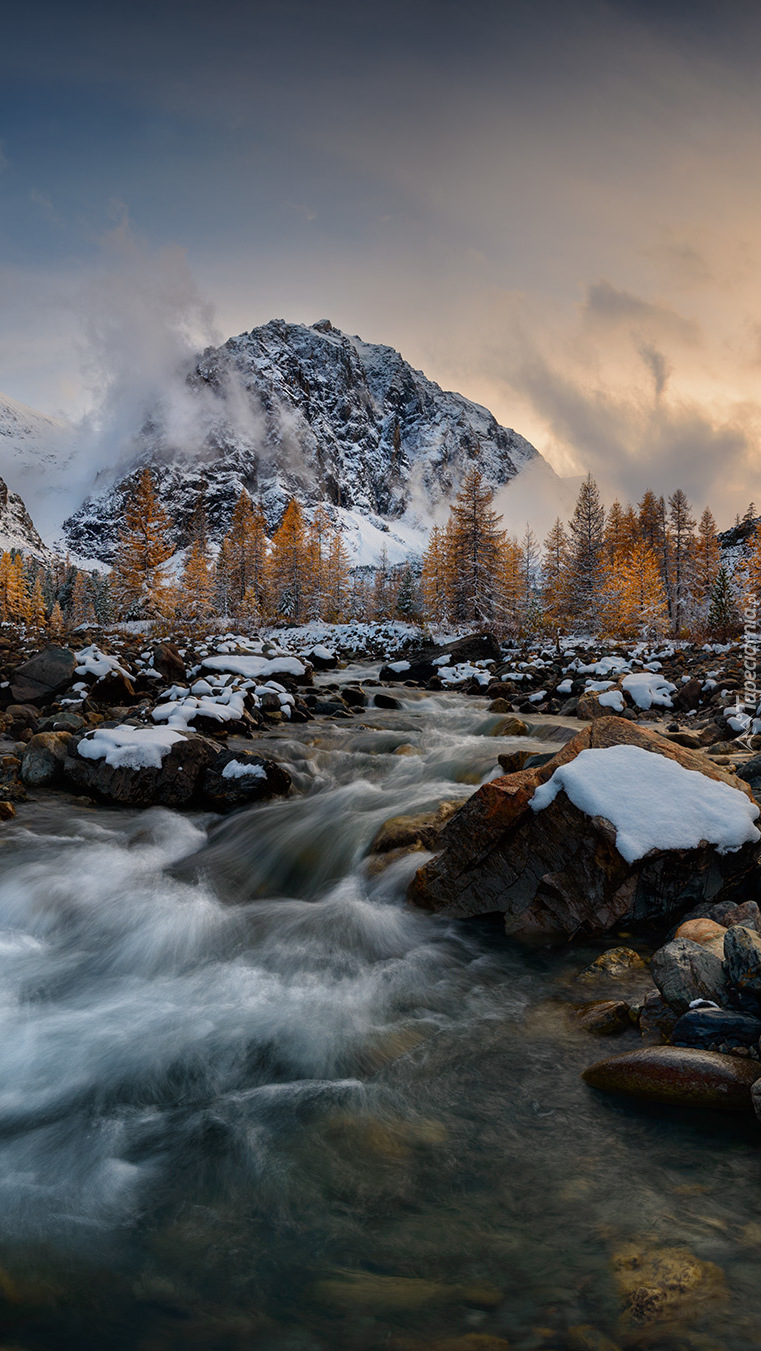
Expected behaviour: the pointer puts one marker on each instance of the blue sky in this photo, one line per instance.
(552, 207)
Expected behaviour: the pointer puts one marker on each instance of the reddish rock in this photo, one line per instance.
(558, 872)
(681, 1075)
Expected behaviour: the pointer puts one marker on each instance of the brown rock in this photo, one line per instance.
(602, 1017)
(510, 726)
(558, 872)
(167, 660)
(615, 962)
(413, 832)
(656, 1019)
(512, 761)
(589, 708)
(678, 1074)
(500, 706)
(7, 811)
(44, 759)
(701, 930)
(658, 1284)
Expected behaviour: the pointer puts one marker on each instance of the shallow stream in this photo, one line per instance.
(250, 1098)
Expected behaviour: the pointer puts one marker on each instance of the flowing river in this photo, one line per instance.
(249, 1098)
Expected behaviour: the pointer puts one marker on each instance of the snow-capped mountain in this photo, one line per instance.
(290, 410)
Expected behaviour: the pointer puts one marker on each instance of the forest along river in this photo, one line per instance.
(250, 1098)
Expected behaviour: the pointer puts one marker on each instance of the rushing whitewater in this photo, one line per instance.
(250, 1098)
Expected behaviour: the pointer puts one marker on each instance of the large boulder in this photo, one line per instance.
(44, 675)
(742, 954)
(649, 841)
(139, 766)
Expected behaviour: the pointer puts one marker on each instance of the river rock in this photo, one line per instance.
(510, 726)
(756, 1098)
(7, 811)
(409, 832)
(115, 687)
(168, 662)
(21, 718)
(688, 695)
(613, 963)
(43, 760)
(684, 1076)
(512, 761)
(703, 931)
(382, 700)
(44, 675)
(746, 913)
(742, 960)
(237, 778)
(602, 1017)
(664, 1285)
(656, 1020)
(588, 707)
(176, 783)
(558, 872)
(684, 971)
(713, 1027)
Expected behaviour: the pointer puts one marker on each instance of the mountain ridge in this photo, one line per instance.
(307, 411)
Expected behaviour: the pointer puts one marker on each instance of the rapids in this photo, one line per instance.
(250, 1098)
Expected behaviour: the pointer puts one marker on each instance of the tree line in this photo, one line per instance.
(635, 571)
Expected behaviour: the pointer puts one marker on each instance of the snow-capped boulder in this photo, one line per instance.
(620, 828)
(139, 766)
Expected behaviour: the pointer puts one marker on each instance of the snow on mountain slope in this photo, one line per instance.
(35, 461)
(290, 410)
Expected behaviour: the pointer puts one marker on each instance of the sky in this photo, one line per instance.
(554, 208)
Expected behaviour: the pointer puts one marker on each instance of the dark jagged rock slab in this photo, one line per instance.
(711, 1027)
(44, 675)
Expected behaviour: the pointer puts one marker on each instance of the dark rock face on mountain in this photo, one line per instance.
(17, 529)
(290, 410)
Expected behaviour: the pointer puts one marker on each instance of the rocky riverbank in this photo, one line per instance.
(626, 827)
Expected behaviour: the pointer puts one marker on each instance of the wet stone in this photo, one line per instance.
(683, 1076)
(712, 1027)
(602, 1017)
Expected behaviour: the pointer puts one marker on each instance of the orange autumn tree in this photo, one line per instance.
(195, 597)
(140, 583)
(242, 570)
(289, 564)
(640, 608)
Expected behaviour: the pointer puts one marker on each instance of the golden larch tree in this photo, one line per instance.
(140, 582)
